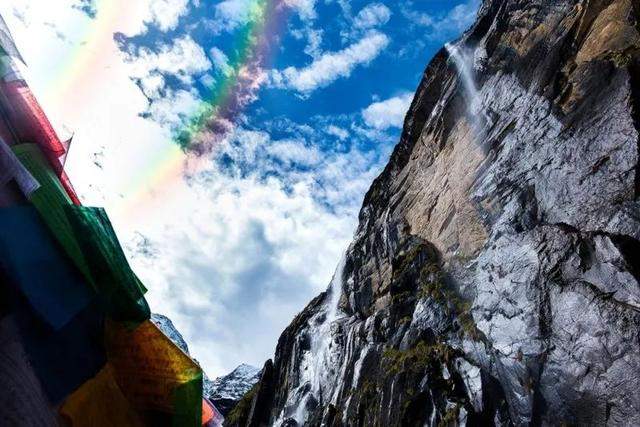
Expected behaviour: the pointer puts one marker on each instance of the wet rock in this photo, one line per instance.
(494, 275)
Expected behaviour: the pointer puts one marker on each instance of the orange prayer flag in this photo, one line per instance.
(154, 373)
(100, 403)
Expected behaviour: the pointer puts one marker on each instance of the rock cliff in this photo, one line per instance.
(493, 277)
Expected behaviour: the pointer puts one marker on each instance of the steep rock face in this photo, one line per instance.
(493, 277)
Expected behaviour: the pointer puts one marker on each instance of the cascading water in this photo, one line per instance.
(463, 61)
(319, 364)
(321, 341)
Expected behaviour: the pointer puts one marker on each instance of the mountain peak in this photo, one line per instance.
(225, 391)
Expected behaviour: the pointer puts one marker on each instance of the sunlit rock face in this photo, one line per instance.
(493, 278)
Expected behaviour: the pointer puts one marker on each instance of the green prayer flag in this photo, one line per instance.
(118, 286)
(187, 400)
(50, 200)
(87, 237)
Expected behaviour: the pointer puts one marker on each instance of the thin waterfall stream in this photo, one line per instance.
(463, 60)
(320, 361)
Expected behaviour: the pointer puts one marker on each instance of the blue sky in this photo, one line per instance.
(235, 246)
(331, 60)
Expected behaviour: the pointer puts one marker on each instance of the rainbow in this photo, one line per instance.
(161, 171)
(214, 118)
(75, 73)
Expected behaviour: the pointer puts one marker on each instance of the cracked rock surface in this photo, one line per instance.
(494, 275)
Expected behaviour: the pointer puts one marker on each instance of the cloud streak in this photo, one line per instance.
(388, 113)
(443, 26)
(331, 65)
(371, 16)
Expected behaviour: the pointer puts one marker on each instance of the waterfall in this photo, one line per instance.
(463, 59)
(335, 290)
(320, 364)
(321, 342)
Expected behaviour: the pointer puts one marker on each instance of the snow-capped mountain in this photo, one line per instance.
(226, 391)
(166, 325)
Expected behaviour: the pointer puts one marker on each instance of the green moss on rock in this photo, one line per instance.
(416, 359)
(239, 414)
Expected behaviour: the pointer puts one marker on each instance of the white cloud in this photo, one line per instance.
(186, 60)
(389, 113)
(295, 152)
(331, 65)
(345, 5)
(314, 41)
(372, 15)
(246, 257)
(338, 132)
(152, 85)
(207, 80)
(307, 13)
(231, 14)
(305, 8)
(455, 21)
(172, 108)
(239, 254)
(183, 58)
(166, 13)
(220, 60)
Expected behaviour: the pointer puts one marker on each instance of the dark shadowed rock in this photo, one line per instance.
(493, 278)
(254, 408)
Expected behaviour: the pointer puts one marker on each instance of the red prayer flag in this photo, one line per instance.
(29, 123)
